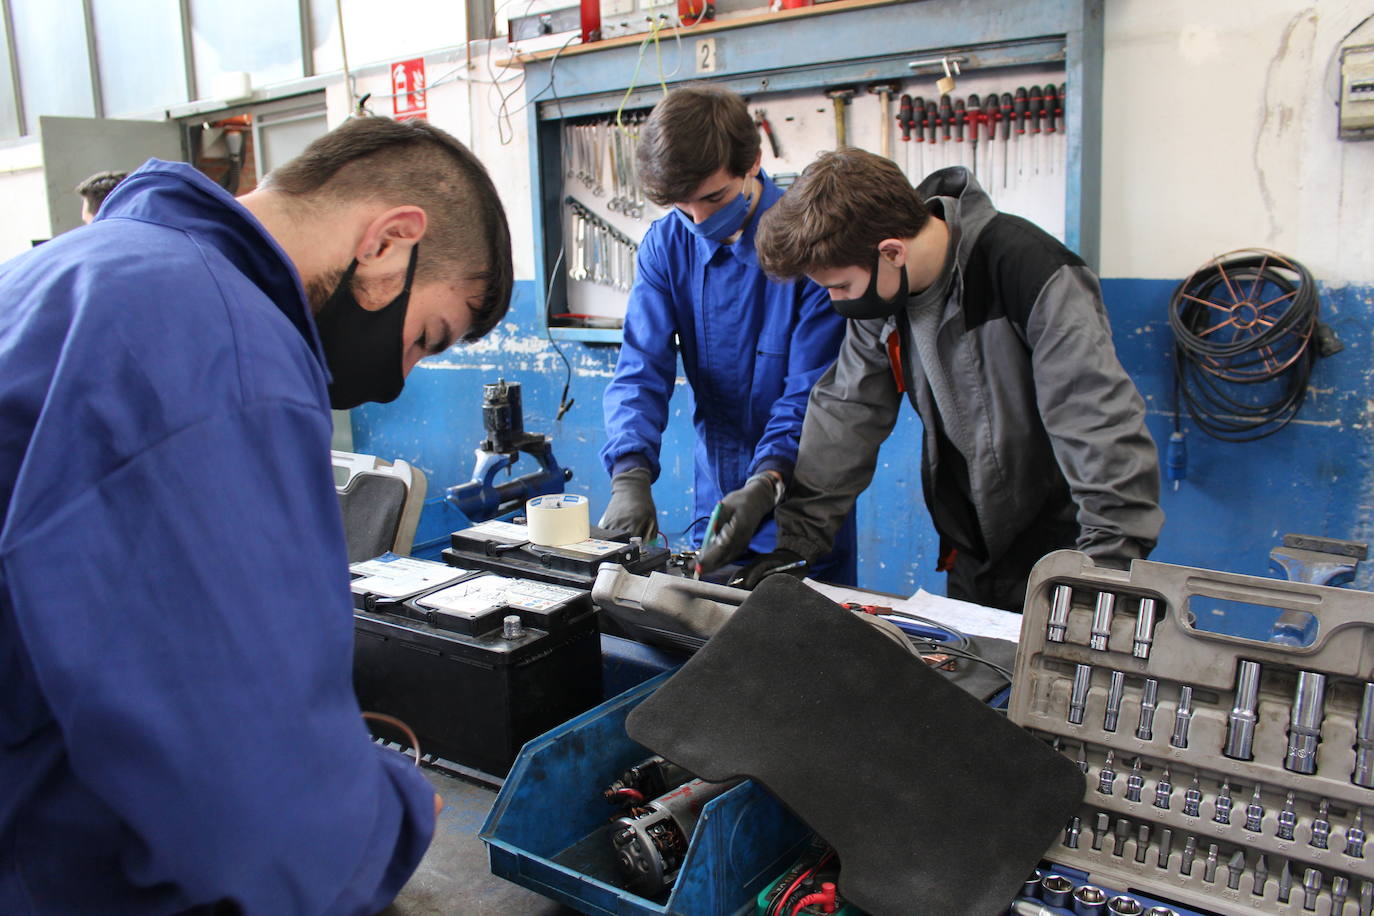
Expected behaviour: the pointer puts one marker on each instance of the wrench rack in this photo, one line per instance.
(1222, 773)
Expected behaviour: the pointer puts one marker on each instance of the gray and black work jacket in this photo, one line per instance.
(1029, 417)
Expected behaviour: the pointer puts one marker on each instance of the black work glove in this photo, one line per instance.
(738, 516)
(631, 508)
(779, 562)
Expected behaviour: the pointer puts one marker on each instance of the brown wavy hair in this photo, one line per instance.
(841, 207)
(694, 132)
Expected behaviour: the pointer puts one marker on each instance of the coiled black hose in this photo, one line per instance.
(1243, 344)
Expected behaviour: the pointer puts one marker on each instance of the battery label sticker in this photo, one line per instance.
(485, 593)
(505, 530)
(593, 547)
(401, 577)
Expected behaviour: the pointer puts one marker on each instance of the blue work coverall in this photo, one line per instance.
(177, 718)
(752, 348)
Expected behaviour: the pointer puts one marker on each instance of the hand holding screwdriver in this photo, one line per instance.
(735, 519)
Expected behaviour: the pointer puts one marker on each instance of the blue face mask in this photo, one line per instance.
(722, 224)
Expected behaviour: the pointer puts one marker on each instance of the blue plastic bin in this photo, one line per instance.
(549, 828)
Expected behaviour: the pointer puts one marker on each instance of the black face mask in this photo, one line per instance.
(870, 304)
(363, 348)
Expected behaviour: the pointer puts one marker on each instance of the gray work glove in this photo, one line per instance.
(737, 517)
(780, 562)
(631, 508)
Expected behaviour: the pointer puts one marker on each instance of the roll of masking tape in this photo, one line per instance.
(560, 518)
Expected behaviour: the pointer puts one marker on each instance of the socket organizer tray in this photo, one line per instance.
(1222, 774)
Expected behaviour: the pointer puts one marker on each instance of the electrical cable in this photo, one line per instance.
(564, 402)
(1243, 327)
(399, 726)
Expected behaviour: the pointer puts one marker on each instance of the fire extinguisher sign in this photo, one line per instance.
(408, 89)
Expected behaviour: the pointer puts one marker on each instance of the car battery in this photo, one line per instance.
(478, 666)
(391, 579)
(1222, 774)
(505, 547)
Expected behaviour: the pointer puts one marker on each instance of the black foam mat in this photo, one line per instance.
(935, 803)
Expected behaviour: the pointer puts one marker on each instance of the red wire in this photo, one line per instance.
(781, 901)
(633, 795)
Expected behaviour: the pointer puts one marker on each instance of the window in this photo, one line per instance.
(138, 47)
(383, 31)
(259, 37)
(54, 62)
(9, 111)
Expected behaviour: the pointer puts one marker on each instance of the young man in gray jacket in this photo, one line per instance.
(1035, 437)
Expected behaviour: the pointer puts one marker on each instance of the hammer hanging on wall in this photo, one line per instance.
(885, 92)
(840, 98)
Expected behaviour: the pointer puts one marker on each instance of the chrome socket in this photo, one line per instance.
(1305, 723)
(1089, 900)
(1240, 724)
(1363, 774)
(1056, 890)
(1115, 693)
(1031, 886)
(1183, 718)
(1121, 905)
(1078, 699)
(1149, 702)
(1102, 621)
(1059, 613)
(1144, 629)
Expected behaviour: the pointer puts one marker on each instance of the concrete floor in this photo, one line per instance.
(454, 877)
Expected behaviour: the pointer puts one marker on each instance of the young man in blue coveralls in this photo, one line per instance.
(178, 729)
(752, 347)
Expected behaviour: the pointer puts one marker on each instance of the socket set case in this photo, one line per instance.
(1222, 774)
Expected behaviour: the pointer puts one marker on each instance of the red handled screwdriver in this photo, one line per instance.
(918, 120)
(989, 129)
(946, 120)
(960, 119)
(1020, 102)
(1052, 124)
(1004, 131)
(932, 123)
(974, 116)
(904, 124)
(1036, 104)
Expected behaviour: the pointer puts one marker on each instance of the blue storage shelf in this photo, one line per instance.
(550, 813)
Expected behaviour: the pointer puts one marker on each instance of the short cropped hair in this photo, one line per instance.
(836, 213)
(415, 163)
(693, 133)
(98, 187)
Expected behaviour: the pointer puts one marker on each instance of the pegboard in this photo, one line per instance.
(1024, 175)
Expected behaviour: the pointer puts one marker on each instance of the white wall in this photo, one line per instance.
(1220, 133)
(25, 197)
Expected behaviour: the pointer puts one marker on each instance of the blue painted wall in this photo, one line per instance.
(1314, 477)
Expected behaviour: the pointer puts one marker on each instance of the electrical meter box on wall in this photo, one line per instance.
(1357, 93)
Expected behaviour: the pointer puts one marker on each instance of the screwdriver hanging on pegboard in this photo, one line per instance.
(974, 115)
(1004, 130)
(917, 120)
(959, 117)
(931, 122)
(1052, 125)
(1034, 109)
(1064, 122)
(989, 132)
(1019, 105)
(946, 122)
(904, 125)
